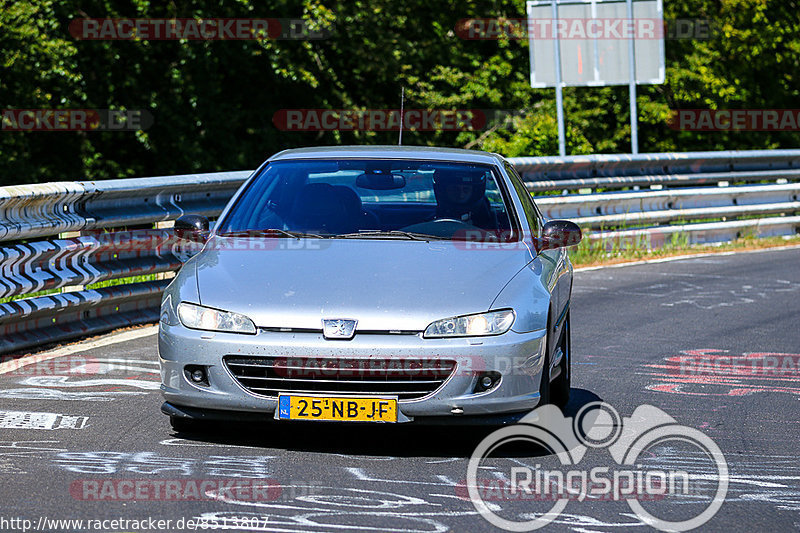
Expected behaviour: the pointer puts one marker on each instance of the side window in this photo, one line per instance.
(531, 213)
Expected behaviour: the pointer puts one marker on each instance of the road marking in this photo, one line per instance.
(33, 393)
(64, 381)
(23, 448)
(152, 463)
(28, 420)
(184, 442)
(15, 364)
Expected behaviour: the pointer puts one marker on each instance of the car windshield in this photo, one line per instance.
(384, 199)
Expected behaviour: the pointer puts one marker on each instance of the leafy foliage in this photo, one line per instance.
(213, 101)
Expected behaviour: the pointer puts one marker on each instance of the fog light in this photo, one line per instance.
(196, 374)
(487, 381)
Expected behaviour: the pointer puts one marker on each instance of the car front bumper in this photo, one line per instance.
(518, 357)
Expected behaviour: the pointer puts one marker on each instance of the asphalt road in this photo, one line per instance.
(73, 428)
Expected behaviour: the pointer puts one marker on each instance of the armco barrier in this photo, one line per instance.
(64, 236)
(98, 231)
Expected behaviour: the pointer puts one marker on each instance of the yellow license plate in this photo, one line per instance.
(291, 407)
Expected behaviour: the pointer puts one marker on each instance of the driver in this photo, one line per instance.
(461, 195)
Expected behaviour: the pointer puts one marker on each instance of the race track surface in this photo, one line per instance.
(674, 335)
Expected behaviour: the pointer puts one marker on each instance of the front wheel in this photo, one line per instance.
(561, 384)
(545, 385)
(184, 425)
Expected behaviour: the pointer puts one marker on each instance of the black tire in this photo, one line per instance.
(544, 385)
(184, 425)
(559, 392)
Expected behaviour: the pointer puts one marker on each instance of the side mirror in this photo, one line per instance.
(192, 228)
(558, 234)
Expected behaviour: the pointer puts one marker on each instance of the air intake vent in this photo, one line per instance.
(408, 379)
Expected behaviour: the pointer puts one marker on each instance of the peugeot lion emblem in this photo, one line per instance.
(338, 328)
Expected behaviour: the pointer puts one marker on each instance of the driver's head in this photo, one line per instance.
(458, 187)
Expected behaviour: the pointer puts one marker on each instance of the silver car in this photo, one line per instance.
(370, 284)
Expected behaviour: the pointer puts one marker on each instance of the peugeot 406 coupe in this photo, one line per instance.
(370, 284)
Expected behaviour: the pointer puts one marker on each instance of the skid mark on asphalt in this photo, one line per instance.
(769, 479)
(365, 499)
(318, 522)
(349, 508)
(337, 508)
(199, 444)
(706, 299)
(14, 452)
(28, 448)
(676, 293)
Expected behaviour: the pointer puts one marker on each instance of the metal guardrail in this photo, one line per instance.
(659, 206)
(690, 194)
(29, 211)
(98, 232)
(616, 171)
(616, 165)
(65, 236)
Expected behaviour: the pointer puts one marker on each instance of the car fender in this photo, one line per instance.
(529, 294)
(183, 288)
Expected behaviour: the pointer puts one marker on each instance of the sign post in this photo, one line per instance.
(595, 43)
(562, 135)
(632, 84)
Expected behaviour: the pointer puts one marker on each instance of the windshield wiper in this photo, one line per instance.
(391, 233)
(273, 232)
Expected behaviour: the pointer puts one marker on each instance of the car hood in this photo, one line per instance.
(384, 284)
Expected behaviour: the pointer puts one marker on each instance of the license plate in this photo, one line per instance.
(291, 407)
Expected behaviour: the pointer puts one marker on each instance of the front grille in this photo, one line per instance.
(408, 379)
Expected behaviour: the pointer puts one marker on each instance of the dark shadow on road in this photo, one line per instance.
(395, 440)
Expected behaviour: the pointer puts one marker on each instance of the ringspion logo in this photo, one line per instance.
(693, 467)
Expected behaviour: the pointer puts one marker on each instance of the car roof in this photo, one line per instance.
(389, 152)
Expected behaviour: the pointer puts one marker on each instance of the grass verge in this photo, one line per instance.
(98, 285)
(588, 253)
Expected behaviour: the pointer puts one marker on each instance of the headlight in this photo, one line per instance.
(493, 323)
(198, 317)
